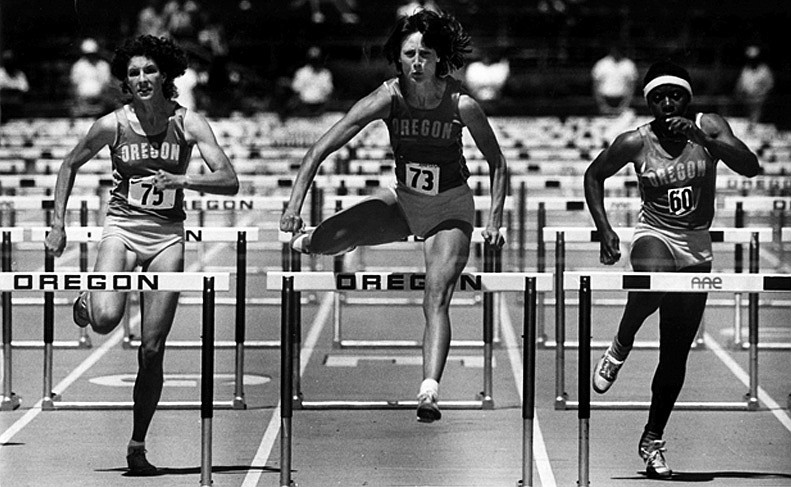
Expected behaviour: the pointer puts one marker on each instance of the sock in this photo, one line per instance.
(136, 445)
(429, 386)
(618, 351)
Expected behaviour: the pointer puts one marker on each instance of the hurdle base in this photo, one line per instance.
(748, 405)
(48, 403)
(132, 343)
(34, 344)
(601, 344)
(392, 404)
(10, 403)
(128, 405)
(346, 343)
(761, 346)
(239, 403)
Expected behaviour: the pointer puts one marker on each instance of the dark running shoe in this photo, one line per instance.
(138, 465)
(80, 311)
(427, 409)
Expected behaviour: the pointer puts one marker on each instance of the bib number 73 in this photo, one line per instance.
(423, 178)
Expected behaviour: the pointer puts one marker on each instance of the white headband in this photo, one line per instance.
(667, 80)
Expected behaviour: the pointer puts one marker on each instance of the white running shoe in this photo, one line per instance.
(605, 372)
(653, 455)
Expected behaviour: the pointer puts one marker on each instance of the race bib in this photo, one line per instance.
(680, 201)
(423, 178)
(144, 194)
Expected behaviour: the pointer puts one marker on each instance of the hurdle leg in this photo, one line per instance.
(752, 395)
(528, 380)
(488, 335)
(560, 323)
(10, 400)
(286, 379)
(48, 396)
(240, 331)
(583, 381)
(207, 381)
(84, 340)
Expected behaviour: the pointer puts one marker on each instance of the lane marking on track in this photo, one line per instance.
(273, 428)
(744, 377)
(112, 340)
(540, 455)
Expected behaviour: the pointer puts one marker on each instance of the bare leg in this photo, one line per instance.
(446, 254)
(159, 311)
(107, 308)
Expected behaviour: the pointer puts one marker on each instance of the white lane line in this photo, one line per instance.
(273, 428)
(89, 362)
(541, 457)
(744, 377)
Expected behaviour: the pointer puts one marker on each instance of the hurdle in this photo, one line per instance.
(239, 235)
(585, 234)
(680, 282)
(586, 283)
(492, 263)
(208, 284)
(290, 283)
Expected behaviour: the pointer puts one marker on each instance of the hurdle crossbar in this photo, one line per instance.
(290, 283)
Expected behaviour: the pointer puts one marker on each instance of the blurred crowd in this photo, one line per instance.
(305, 70)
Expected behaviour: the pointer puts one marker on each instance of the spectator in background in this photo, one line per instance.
(312, 84)
(91, 81)
(754, 84)
(486, 78)
(345, 9)
(13, 87)
(151, 20)
(409, 7)
(614, 80)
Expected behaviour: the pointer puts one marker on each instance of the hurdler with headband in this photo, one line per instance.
(675, 159)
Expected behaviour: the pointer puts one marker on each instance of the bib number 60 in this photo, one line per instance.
(680, 200)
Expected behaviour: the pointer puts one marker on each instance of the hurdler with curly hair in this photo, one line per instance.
(169, 58)
(425, 110)
(150, 140)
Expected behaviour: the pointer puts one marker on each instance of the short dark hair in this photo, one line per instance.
(168, 56)
(441, 32)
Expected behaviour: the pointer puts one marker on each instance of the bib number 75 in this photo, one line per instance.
(143, 193)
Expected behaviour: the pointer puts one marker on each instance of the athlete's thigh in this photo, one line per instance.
(160, 306)
(446, 253)
(651, 254)
(112, 256)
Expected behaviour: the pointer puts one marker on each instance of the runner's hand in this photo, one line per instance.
(493, 236)
(610, 252)
(291, 222)
(56, 241)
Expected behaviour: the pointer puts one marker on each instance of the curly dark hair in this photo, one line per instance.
(169, 57)
(441, 32)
